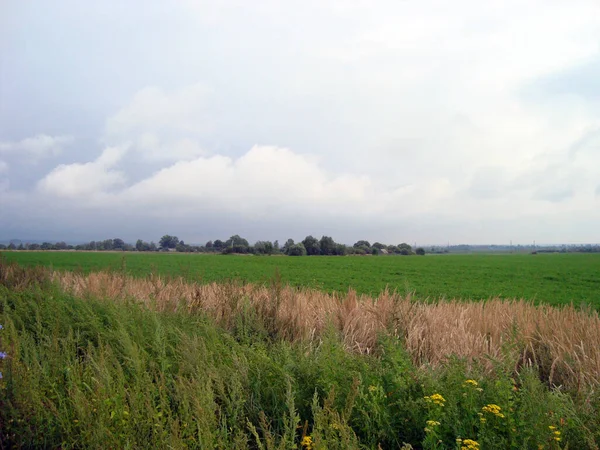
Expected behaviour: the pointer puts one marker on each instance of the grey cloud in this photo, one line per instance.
(555, 194)
(36, 147)
(386, 132)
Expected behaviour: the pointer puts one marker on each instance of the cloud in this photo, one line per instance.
(163, 126)
(87, 180)
(37, 147)
(3, 167)
(391, 118)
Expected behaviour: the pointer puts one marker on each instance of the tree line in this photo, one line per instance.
(309, 246)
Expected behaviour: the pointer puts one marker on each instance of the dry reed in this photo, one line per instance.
(563, 343)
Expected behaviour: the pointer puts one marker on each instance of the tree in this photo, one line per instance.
(218, 245)
(327, 245)
(237, 244)
(118, 244)
(340, 250)
(405, 249)
(276, 246)
(263, 248)
(379, 245)
(297, 250)
(168, 241)
(12, 246)
(420, 251)
(312, 246)
(361, 244)
(286, 247)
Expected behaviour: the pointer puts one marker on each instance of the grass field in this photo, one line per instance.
(85, 365)
(546, 278)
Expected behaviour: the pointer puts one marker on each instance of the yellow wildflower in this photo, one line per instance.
(436, 399)
(432, 423)
(493, 409)
(471, 382)
(307, 442)
(552, 427)
(470, 444)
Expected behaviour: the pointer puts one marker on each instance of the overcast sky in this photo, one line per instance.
(421, 121)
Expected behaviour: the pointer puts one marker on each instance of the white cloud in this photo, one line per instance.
(3, 166)
(162, 126)
(37, 147)
(85, 181)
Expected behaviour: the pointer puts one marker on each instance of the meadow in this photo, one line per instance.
(543, 278)
(106, 360)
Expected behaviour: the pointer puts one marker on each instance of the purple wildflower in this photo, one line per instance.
(2, 355)
(1, 327)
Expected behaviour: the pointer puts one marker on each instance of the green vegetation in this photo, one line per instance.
(101, 373)
(550, 278)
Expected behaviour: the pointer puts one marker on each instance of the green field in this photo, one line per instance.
(549, 278)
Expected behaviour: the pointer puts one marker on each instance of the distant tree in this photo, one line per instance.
(340, 250)
(47, 246)
(153, 247)
(12, 246)
(218, 245)
(61, 246)
(182, 247)
(328, 245)
(276, 246)
(21, 247)
(118, 244)
(286, 247)
(237, 244)
(209, 246)
(139, 245)
(405, 249)
(34, 246)
(379, 245)
(168, 241)
(297, 250)
(360, 244)
(263, 248)
(375, 251)
(312, 246)
(420, 251)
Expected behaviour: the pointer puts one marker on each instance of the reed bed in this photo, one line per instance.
(561, 342)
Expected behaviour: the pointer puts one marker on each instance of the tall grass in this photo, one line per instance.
(105, 361)
(561, 342)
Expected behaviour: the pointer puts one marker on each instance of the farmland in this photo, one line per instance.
(544, 278)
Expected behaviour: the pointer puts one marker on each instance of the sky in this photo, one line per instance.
(394, 121)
